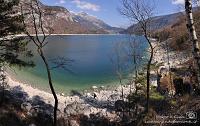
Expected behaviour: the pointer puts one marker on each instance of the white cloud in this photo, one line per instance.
(86, 5)
(61, 2)
(198, 3)
(178, 1)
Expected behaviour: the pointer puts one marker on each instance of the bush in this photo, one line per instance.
(156, 96)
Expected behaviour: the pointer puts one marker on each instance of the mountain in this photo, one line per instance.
(158, 22)
(178, 32)
(94, 23)
(62, 21)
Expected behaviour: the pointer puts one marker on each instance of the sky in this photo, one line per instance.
(108, 10)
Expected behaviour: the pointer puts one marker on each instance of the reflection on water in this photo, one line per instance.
(91, 66)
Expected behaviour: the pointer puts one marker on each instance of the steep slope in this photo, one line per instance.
(62, 21)
(158, 22)
(94, 23)
(56, 19)
(178, 32)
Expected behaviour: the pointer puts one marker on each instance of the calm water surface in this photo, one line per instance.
(92, 62)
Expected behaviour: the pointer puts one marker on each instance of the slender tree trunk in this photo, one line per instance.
(135, 63)
(136, 76)
(3, 82)
(169, 67)
(193, 36)
(51, 86)
(38, 24)
(148, 72)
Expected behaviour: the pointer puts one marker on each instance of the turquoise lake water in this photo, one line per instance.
(94, 61)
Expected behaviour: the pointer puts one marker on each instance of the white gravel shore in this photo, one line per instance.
(104, 99)
(89, 105)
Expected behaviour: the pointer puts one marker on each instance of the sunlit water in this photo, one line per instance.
(94, 61)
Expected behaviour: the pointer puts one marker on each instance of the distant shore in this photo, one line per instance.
(19, 35)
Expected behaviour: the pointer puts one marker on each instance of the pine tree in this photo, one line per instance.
(11, 46)
(10, 25)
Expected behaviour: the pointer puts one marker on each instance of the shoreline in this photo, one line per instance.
(175, 58)
(104, 97)
(23, 35)
(88, 103)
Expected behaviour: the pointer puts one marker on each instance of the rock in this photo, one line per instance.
(163, 71)
(88, 95)
(102, 87)
(26, 106)
(94, 87)
(94, 95)
(23, 116)
(62, 94)
(112, 112)
(69, 111)
(114, 96)
(74, 109)
(32, 124)
(153, 83)
(99, 114)
(29, 114)
(73, 123)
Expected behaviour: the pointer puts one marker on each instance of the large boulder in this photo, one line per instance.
(182, 88)
(164, 85)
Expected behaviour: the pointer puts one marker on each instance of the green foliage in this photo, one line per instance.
(173, 102)
(141, 80)
(156, 96)
(11, 24)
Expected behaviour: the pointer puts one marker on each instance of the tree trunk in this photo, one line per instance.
(51, 86)
(193, 36)
(3, 82)
(169, 67)
(148, 72)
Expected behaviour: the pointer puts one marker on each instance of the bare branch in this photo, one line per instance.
(141, 12)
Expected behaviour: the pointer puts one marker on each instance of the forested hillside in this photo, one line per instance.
(178, 32)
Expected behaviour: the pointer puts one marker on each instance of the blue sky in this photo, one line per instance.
(107, 10)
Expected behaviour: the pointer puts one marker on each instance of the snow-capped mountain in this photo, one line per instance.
(94, 23)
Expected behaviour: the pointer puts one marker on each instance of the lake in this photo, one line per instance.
(94, 61)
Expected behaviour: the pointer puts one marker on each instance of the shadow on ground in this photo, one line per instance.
(17, 109)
